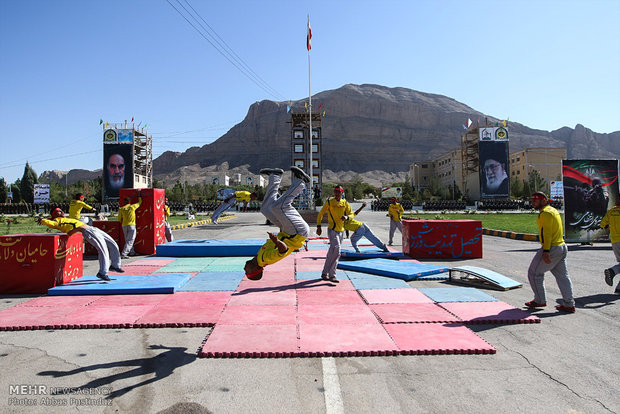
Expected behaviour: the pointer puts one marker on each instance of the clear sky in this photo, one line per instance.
(66, 64)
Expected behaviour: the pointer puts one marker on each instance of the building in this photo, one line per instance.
(447, 168)
(547, 161)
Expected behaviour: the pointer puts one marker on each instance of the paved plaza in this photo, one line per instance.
(565, 364)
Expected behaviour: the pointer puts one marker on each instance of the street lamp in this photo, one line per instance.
(417, 176)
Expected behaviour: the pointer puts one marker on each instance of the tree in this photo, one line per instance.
(29, 179)
(516, 187)
(536, 182)
(17, 195)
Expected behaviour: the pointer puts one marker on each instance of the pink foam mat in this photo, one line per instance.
(258, 315)
(53, 301)
(373, 296)
(175, 315)
(322, 285)
(128, 300)
(489, 312)
(412, 312)
(151, 262)
(335, 314)
(20, 318)
(104, 316)
(264, 297)
(343, 297)
(257, 341)
(436, 338)
(345, 340)
(136, 270)
(196, 298)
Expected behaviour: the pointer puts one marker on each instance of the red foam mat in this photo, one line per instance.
(196, 298)
(259, 315)
(19, 318)
(62, 301)
(257, 341)
(435, 338)
(264, 297)
(489, 312)
(103, 316)
(412, 312)
(323, 285)
(176, 315)
(345, 340)
(335, 314)
(373, 296)
(313, 297)
(128, 300)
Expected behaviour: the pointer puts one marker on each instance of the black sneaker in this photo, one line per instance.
(609, 276)
(117, 269)
(299, 173)
(103, 277)
(269, 171)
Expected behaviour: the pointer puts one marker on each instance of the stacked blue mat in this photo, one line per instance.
(393, 268)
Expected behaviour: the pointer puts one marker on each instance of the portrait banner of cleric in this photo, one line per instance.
(494, 175)
(117, 169)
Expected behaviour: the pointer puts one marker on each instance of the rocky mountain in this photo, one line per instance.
(366, 128)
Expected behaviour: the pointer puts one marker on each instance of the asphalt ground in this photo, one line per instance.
(566, 364)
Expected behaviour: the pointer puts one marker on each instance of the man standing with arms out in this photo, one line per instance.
(395, 212)
(360, 230)
(611, 220)
(127, 217)
(237, 196)
(550, 257)
(278, 209)
(76, 206)
(339, 210)
(107, 249)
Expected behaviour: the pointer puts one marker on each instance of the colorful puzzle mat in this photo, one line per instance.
(210, 248)
(406, 270)
(121, 285)
(290, 312)
(371, 253)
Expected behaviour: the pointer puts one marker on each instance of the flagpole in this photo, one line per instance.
(311, 189)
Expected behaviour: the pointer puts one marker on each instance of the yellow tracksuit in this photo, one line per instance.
(75, 209)
(395, 211)
(242, 196)
(62, 223)
(612, 219)
(269, 254)
(335, 209)
(550, 228)
(127, 213)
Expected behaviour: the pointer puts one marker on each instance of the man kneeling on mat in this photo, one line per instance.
(279, 211)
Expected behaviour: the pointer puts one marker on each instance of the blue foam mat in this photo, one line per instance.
(393, 268)
(378, 282)
(213, 281)
(210, 247)
(461, 294)
(122, 285)
(371, 254)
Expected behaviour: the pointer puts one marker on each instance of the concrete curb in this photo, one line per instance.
(200, 222)
(510, 235)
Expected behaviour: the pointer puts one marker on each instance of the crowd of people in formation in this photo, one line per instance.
(294, 231)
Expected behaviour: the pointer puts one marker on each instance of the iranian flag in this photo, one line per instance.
(309, 35)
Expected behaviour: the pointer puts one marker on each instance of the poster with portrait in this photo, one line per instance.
(494, 169)
(590, 188)
(117, 169)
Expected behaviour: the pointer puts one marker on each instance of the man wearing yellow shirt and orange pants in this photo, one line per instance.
(395, 212)
(338, 212)
(127, 217)
(107, 249)
(236, 197)
(279, 211)
(550, 257)
(612, 221)
(75, 209)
